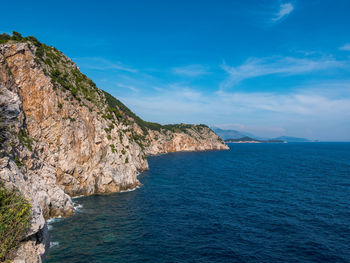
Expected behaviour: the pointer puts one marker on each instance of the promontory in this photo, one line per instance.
(61, 136)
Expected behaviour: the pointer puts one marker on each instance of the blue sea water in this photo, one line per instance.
(253, 203)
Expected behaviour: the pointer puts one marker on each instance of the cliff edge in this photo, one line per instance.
(61, 136)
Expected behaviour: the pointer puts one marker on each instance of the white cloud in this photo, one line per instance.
(256, 67)
(285, 10)
(99, 63)
(190, 70)
(303, 103)
(346, 47)
(322, 109)
(130, 87)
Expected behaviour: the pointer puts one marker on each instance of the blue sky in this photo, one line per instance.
(267, 67)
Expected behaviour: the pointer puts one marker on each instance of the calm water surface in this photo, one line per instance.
(254, 203)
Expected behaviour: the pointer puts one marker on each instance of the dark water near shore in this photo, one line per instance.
(254, 203)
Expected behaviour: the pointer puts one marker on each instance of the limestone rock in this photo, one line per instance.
(61, 137)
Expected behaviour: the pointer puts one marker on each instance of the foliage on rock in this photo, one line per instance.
(15, 214)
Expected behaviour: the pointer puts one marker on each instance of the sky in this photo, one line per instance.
(270, 68)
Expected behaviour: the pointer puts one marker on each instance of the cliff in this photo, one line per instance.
(61, 136)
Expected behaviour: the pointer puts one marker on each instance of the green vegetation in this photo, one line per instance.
(127, 160)
(4, 38)
(113, 148)
(62, 70)
(9, 72)
(14, 221)
(115, 104)
(18, 162)
(119, 109)
(17, 37)
(69, 77)
(25, 140)
(66, 76)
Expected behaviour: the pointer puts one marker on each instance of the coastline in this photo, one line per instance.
(80, 141)
(78, 207)
(254, 142)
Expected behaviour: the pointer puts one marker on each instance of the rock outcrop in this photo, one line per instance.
(37, 187)
(183, 138)
(61, 136)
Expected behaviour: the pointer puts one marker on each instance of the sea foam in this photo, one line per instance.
(130, 190)
(54, 244)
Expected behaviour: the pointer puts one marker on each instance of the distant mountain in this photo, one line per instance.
(232, 134)
(247, 139)
(292, 139)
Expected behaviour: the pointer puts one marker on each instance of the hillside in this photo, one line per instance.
(292, 139)
(247, 139)
(232, 134)
(62, 136)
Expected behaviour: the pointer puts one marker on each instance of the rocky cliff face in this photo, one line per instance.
(183, 138)
(34, 182)
(61, 136)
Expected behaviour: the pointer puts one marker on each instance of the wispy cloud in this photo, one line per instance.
(256, 67)
(99, 63)
(191, 70)
(303, 102)
(285, 10)
(266, 113)
(346, 47)
(129, 87)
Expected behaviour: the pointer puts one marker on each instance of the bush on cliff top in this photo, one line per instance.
(16, 37)
(14, 221)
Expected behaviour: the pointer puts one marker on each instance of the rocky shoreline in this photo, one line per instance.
(63, 137)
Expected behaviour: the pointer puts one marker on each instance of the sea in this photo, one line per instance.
(266, 202)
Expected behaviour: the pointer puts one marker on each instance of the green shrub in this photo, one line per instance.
(25, 140)
(112, 148)
(4, 38)
(14, 221)
(16, 36)
(18, 162)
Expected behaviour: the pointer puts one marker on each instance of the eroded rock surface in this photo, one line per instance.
(61, 136)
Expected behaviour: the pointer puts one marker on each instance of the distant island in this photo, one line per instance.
(247, 139)
(294, 139)
(234, 135)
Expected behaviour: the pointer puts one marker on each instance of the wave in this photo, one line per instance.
(54, 244)
(53, 219)
(78, 196)
(77, 207)
(130, 190)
